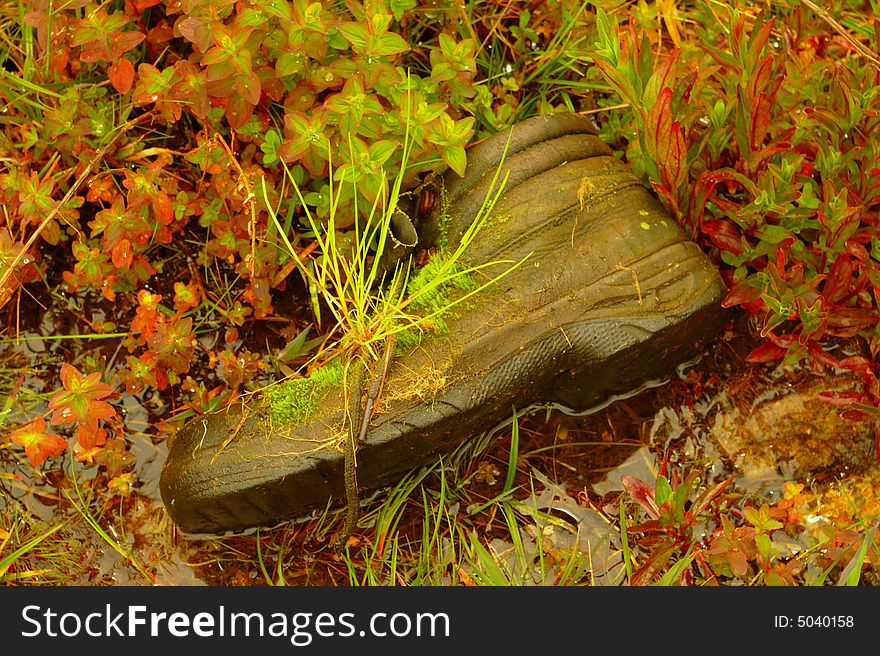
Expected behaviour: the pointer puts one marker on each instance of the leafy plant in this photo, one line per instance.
(779, 188)
(676, 509)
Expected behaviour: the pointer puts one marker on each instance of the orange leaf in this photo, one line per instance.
(89, 438)
(121, 74)
(38, 444)
(80, 400)
(121, 254)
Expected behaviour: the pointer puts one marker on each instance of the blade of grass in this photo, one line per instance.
(672, 576)
(624, 542)
(7, 561)
(81, 506)
(513, 457)
(852, 573)
(486, 569)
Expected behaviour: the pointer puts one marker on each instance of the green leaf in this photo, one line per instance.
(765, 545)
(463, 129)
(455, 157)
(662, 490)
(252, 17)
(381, 151)
(399, 7)
(773, 234)
(487, 570)
(673, 575)
(215, 56)
(270, 146)
(808, 197)
(442, 71)
(356, 35)
(379, 23)
(290, 63)
(389, 44)
(278, 9)
(852, 573)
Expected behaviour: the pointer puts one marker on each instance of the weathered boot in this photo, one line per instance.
(611, 294)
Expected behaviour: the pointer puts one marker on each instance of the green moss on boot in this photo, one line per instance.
(294, 402)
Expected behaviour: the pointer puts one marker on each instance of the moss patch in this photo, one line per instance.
(293, 402)
(426, 303)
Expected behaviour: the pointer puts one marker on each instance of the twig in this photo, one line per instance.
(623, 267)
(598, 110)
(459, 6)
(824, 15)
(351, 487)
(352, 496)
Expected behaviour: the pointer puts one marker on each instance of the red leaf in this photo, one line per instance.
(163, 208)
(859, 415)
(703, 188)
(114, 457)
(654, 564)
(744, 292)
(783, 341)
(675, 162)
(663, 191)
(706, 498)
(766, 352)
(248, 85)
(238, 111)
(127, 40)
(848, 322)
(838, 284)
(856, 363)
(761, 76)
(724, 234)
(761, 107)
(38, 444)
(841, 397)
(89, 438)
(642, 493)
(121, 74)
(659, 125)
(857, 250)
(820, 355)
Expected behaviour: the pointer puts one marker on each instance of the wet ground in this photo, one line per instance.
(763, 426)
